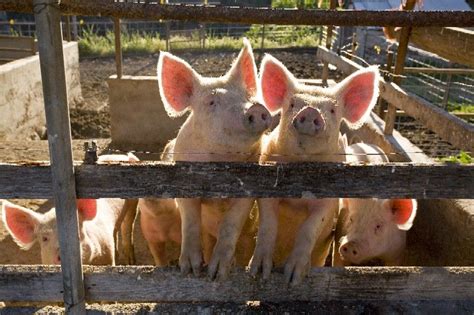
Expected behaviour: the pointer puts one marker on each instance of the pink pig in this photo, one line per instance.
(226, 123)
(99, 223)
(372, 228)
(308, 131)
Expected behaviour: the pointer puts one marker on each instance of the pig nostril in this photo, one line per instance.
(251, 118)
(302, 119)
(316, 122)
(264, 116)
(354, 252)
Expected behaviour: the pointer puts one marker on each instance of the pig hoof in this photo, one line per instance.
(296, 269)
(190, 263)
(263, 263)
(219, 265)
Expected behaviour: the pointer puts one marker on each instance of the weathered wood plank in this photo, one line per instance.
(188, 179)
(247, 15)
(18, 42)
(150, 284)
(48, 29)
(15, 53)
(449, 127)
(466, 71)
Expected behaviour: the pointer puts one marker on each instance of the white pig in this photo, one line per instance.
(226, 123)
(372, 228)
(308, 131)
(99, 221)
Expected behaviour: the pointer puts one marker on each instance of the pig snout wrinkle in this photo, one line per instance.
(257, 118)
(309, 121)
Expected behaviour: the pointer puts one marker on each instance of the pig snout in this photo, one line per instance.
(350, 251)
(257, 118)
(309, 121)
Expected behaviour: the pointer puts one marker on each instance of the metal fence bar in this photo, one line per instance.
(48, 23)
(245, 15)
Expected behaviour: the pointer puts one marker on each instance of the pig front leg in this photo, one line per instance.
(299, 261)
(229, 232)
(262, 258)
(191, 254)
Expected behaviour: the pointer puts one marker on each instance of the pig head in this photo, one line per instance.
(376, 229)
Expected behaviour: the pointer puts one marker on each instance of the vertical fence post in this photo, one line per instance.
(118, 48)
(399, 65)
(353, 45)
(262, 43)
(449, 80)
(325, 73)
(381, 102)
(68, 28)
(48, 26)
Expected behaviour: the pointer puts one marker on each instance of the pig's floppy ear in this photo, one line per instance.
(403, 211)
(177, 82)
(276, 82)
(87, 209)
(358, 94)
(244, 70)
(21, 223)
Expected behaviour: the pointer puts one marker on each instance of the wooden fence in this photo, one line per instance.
(65, 182)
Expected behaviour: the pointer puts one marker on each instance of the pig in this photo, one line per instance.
(99, 220)
(226, 123)
(372, 229)
(308, 131)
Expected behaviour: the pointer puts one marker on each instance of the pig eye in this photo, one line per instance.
(292, 105)
(45, 239)
(332, 111)
(211, 103)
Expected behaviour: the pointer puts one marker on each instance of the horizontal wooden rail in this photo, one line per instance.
(150, 284)
(225, 14)
(217, 180)
(461, 71)
(449, 127)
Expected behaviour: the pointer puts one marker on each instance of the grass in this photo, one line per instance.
(461, 108)
(461, 158)
(92, 44)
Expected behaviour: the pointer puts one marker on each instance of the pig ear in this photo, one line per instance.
(177, 82)
(358, 94)
(21, 223)
(277, 83)
(404, 212)
(87, 208)
(244, 69)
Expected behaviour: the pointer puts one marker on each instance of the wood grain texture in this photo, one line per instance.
(48, 28)
(219, 180)
(150, 284)
(247, 15)
(449, 127)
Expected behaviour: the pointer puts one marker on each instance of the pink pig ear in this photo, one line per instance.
(277, 83)
(87, 208)
(404, 212)
(21, 223)
(244, 69)
(177, 82)
(358, 93)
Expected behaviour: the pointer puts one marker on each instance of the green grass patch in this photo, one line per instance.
(461, 158)
(92, 44)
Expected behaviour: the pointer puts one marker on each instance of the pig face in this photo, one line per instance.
(376, 229)
(221, 108)
(27, 227)
(311, 116)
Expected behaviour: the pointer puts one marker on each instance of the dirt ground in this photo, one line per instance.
(91, 119)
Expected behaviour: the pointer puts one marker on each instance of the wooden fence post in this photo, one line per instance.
(382, 104)
(325, 72)
(399, 65)
(118, 48)
(48, 26)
